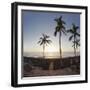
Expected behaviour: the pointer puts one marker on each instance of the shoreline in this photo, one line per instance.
(46, 58)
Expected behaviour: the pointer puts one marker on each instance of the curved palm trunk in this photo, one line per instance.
(60, 50)
(43, 50)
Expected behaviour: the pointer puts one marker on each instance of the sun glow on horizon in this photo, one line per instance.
(51, 49)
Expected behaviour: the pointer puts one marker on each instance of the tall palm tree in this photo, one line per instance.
(60, 28)
(44, 40)
(74, 34)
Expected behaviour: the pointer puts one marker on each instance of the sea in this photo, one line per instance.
(49, 54)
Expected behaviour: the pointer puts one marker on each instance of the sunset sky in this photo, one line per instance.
(34, 23)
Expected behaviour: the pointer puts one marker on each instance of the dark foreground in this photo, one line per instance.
(50, 67)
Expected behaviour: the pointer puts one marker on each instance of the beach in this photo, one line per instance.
(39, 66)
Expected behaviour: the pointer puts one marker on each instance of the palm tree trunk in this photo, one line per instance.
(43, 50)
(74, 47)
(60, 50)
(74, 50)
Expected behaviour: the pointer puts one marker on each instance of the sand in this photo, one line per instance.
(33, 67)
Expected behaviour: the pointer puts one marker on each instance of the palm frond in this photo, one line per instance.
(56, 19)
(38, 42)
(47, 36)
(41, 38)
(64, 31)
(77, 34)
(60, 17)
(55, 33)
(76, 27)
(63, 22)
(41, 43)
(57, 28)
(49, 41)
(70, 38)
(70, 31)
(43, 35)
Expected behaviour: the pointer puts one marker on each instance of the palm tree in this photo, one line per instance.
(76, 43)
(44, 41)
(60, 28)
(74, 33)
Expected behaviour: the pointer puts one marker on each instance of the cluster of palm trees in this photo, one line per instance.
(74, 36)
(60, 28)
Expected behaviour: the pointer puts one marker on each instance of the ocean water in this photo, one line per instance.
(49, 54)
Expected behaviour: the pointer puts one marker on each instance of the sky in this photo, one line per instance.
(35, 23)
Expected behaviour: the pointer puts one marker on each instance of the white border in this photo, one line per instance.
(82, 49)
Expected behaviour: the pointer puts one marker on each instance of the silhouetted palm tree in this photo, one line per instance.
(60, 28)
(76, 43)
(44, 41)
(74, 34)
